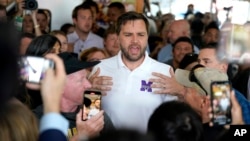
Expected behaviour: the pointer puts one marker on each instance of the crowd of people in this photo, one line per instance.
(155, 85)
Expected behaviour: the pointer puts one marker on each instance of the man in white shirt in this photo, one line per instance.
(130, 100)
(83, 38)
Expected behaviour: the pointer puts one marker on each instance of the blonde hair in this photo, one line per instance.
(58, 32)
(18, 123)
(85, 54)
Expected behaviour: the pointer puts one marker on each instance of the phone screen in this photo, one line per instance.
(91, 104)
(220, 101)
(32, 69)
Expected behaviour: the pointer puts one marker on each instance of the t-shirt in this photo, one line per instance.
(131, 101)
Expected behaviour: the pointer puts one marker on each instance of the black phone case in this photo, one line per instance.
(221, 117)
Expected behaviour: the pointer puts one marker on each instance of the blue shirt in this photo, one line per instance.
(165, 53)
(245, 106)
(54, 121)
(248, 89)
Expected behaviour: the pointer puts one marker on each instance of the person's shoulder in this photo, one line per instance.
(242, 100)
(244, 104)
(108, 63)
(239, 96)
(72, 37)
(111, 62)
(166, 47)
(165, 50)
(95, 36)
(159, 66)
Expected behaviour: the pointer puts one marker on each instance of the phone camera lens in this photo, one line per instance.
(31, 4)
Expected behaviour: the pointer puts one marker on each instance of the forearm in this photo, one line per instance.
(51, 107)
(38, 31)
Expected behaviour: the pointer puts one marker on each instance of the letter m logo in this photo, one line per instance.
(146, 86)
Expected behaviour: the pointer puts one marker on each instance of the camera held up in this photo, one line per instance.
(30, 5)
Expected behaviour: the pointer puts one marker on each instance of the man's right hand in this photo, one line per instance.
(90, 127)
(102, 83)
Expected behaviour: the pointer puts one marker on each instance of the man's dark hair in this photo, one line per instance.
(188, 59)
(213, 25)
(130, 16)
(120, 6)
(184, 39)
(110, 30)
(80, 7)
(220, 53)
(197, 27)
(65, 27)
(41, 45)
(92, 3)
(40, 11)
(213, 45)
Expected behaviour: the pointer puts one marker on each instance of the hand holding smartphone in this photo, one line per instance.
(91, 104)
(32, 68)
(220, 102)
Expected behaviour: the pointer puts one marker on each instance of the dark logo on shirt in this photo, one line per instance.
(146, 86)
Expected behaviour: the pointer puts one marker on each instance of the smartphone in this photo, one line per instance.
(91, 103)
(32, 68)
(220, 102)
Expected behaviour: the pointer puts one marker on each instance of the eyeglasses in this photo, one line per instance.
(193, 78)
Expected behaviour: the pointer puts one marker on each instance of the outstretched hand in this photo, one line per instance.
(102, 83)
(166, 84)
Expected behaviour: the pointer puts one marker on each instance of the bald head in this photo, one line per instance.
(178, 29)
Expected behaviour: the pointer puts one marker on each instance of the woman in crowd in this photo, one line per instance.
(61, 36)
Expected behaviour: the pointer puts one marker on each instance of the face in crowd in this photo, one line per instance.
(133, 37)
(84, 20)
(111, 44)
(76, 84)
(208, 58)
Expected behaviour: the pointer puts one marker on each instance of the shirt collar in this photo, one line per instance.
(90, 35)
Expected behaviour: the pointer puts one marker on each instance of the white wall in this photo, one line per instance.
(61, 10)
